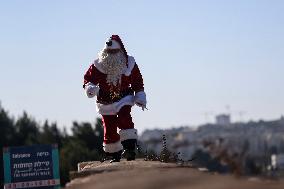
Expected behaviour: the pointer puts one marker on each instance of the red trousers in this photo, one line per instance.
(122, 120)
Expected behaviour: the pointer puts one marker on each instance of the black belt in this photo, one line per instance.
(112, 97)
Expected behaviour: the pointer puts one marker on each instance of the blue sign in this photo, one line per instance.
(31, 167)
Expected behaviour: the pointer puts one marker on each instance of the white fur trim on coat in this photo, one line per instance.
(131, 64)
(140, 98)
(112, 147)
(91, 89)
(113, 109)
(128, 134)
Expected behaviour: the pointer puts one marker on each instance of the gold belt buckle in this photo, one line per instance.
(115, 95)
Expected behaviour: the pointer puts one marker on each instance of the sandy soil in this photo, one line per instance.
(154, 175)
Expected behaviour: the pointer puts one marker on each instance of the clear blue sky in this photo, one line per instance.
(196, 57)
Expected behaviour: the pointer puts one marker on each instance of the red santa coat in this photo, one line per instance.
(131, 83)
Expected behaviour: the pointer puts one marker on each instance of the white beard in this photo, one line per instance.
(114, 65)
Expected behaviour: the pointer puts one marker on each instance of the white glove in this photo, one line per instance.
(91, 90)
(140, 99)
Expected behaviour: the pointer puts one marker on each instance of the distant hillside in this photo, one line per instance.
(244, 148)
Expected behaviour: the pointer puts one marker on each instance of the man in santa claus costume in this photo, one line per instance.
(115, 79)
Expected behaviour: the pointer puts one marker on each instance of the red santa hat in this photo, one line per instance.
(114, 42)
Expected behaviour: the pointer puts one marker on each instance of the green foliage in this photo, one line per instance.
(27, 130)
(91, 137)
(73, 152)
(84, 144)
(7, 129)
(50, 134)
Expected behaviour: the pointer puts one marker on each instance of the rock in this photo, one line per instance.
(142, 174)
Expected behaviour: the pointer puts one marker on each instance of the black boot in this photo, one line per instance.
(116, 157)
(129, 149)
(113, 157)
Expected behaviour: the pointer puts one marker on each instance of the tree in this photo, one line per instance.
(50, 134)
(92, 137)
(7, 130)
(27, 130)
(7, 134)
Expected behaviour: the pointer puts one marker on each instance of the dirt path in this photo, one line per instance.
(154, 175)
